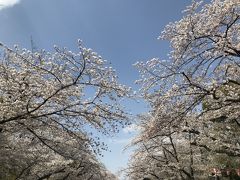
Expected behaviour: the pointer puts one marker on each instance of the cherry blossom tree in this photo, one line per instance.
(25, 158)
(194, 96)
(52, 105)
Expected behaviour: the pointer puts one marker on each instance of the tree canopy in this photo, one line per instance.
(51, 103)
(194, 122)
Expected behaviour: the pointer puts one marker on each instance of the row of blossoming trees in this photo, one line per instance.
(50, 105)
(53, 104)
(193, 127)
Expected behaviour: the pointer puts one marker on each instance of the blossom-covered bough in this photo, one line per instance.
(55, 101)
(26, 158)
(195, 97)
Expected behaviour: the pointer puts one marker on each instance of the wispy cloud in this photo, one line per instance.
(123, 141)
(8, 3)
(133, 128)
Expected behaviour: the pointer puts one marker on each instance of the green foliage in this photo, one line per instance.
(6, 174)
(224, 161)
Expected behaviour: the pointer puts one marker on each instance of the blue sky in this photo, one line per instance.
(121, 31)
